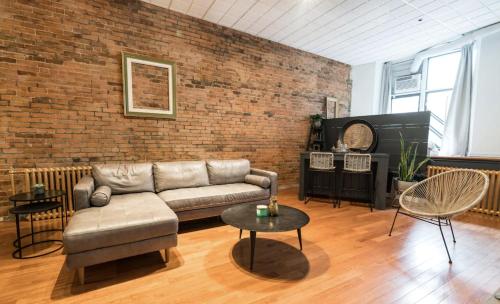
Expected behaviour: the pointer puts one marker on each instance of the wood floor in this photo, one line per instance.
(347, 258)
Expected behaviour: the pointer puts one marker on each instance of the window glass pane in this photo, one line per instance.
(437, 103)
(442, 71)
(405, 104)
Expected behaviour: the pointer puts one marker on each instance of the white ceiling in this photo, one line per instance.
(350, 31)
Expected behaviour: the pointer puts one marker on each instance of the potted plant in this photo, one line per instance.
(408, 166)
(316, 121)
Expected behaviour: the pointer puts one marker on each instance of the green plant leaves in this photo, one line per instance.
(407, 164)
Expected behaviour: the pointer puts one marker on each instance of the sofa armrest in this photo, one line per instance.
(82, 192)
(273, 177)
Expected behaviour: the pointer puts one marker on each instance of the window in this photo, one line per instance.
(405, 103)
(436, 87)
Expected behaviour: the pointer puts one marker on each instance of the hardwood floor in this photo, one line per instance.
(347, 258)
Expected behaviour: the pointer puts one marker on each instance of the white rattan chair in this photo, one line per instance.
(321, 164)
(438, 198)
(322, 161)
(358, 163)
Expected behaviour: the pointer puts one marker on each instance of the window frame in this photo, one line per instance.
(396, 96)
(423, 92)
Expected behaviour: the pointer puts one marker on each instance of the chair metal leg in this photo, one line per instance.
(333, 193)
(370, 191)
(308, 183)
(394, 221)
(444, 241)
(341, 187)
(451, 228)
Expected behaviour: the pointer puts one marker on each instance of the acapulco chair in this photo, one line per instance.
(436, 199)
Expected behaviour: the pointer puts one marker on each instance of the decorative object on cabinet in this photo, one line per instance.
(148, 87)
(341, 147)
(359, 135)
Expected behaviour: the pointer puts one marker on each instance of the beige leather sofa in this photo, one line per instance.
(148, 200)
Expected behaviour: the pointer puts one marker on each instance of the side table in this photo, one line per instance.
(34, 204)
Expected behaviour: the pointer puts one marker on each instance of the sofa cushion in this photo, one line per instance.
(125, 178)
(127, 218)
(101, 196)
(257, 180)
(181, 174)
(211, 196)
(227, 171)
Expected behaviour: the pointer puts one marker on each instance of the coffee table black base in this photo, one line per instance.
(17, 254)
(253, 238)
(32, 235)
(30, 209)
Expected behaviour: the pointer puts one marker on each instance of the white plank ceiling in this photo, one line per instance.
(350, 31)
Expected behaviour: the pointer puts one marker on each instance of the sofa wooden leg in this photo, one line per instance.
(166, 253)
(81, 275)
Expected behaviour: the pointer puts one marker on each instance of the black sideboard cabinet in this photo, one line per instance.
(380, 167)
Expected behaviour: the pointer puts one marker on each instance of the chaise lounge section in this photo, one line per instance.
(147, 201)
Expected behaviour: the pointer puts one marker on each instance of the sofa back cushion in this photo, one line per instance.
(180, 174)
(124, 178)
(227, 171)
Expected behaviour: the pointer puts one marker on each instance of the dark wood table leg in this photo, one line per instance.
(253, 235)
(32, 230)
(241, 230)
(18, 231)
(300, 238)
(66, 206)
(62, 218)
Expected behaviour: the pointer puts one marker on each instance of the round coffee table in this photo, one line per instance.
(244, 217)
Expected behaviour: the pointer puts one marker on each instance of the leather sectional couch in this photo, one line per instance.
(148, 200)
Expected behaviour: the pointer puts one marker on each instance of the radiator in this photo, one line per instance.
(60, 178)
(490, 204)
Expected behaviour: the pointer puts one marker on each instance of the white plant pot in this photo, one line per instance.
(402, 185)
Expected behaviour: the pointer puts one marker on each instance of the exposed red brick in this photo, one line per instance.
(61, 97)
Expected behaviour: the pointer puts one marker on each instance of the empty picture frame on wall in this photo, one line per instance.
(332, 108)
(148, 87)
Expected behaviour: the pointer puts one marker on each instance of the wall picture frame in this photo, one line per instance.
(148, 87)
(332, 107)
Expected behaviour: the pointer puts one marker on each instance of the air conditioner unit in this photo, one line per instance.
(407, 84)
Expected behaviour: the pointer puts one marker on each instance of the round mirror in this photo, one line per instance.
(359, 135)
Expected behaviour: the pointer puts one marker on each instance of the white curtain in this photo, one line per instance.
(385, 88)
(456, 130)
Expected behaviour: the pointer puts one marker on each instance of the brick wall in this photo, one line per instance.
(61, 97)
(150, 87)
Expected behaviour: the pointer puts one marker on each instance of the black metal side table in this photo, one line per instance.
(36, 203)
